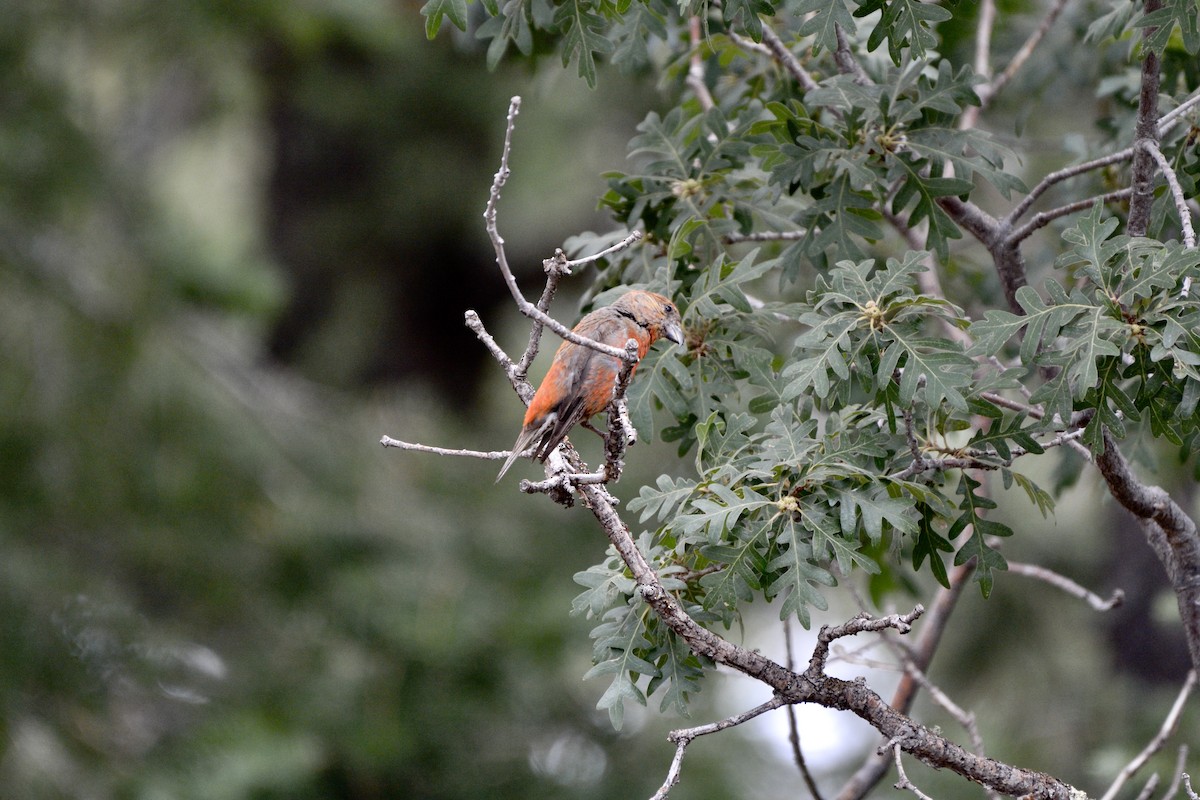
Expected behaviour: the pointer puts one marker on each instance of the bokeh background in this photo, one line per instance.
(236, 244)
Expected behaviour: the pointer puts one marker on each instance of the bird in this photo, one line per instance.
(580, 381)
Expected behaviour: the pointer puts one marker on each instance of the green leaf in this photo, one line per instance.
(719, 511)
(605, 586)
(437, 10)
(583, 36)
(663, 501)
(798, 576)
(679, 673)
(821, 19)
(907, 25)
(930, 544)
(745, 562)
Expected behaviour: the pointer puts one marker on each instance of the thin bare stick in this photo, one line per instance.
(749, 45)
(490, 455)
(1187, 787)
(786, 58)
(765, 236)
(1168, 120)
(1067, 585)
(695, 75)
(685, 736)
(1155, 744)
(847, 63)
(489, 216)
(1177, 773)
(1164, 166)
(903, 783)
(556, 267)
(1022, 55)
(793, 726)
(1044, 218)
(983, 57)
(1058, 176)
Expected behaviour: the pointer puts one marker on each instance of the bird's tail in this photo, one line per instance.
(524, 441)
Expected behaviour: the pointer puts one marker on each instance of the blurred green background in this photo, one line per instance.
(236, 244)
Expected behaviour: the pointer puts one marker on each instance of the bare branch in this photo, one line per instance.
(765, 236)
(933, 626)
(491, 455)
(489, 215)
(860, 623)
(787, 59)
(847, 63)
(1067, 585)
(1022, 55)
(1185, 215)
(1187, 787)
(983, 59)
(1044, 218)
(1177, 773)
(1168, 120)
(1170, 531)
(685, 736)
(793, 726)
(904, 783)
(1066, 173)
(1155, 744)
(555, 268)
(695, 74)
(1146, 129)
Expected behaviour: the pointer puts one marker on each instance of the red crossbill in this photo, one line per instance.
(580, 382)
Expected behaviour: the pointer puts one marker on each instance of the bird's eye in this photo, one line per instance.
(668, 308)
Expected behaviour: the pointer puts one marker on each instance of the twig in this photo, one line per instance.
(685, 736)
(1022, 55)
(903, 783)
(1044, 218)
(933, 627)
(765, 236)
(1066, 173)
(1067, 585)
(1155, 744)
(491, 455)
(695, 74)
(1145, 129)
(555, 268)
(983, 57)
(847, 63)
(749, 45)
(1177, 773)
(1185, 216)
(786, 58)
(1187, 787)
(1168, 120)
(793, 726)
(859, 623)
(489, 216)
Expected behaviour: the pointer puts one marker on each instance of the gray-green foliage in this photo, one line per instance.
(829, 403)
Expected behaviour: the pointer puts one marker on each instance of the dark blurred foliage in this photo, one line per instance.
(236, 243)
(213, 582)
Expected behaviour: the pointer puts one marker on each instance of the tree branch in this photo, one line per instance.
(685, 736)
(1185, 216)
(1022, 55)
(1146, 129)
(1171, 532)
(1067, 585)
(1155, 744)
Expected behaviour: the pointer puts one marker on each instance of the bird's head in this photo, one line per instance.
(654, 312)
